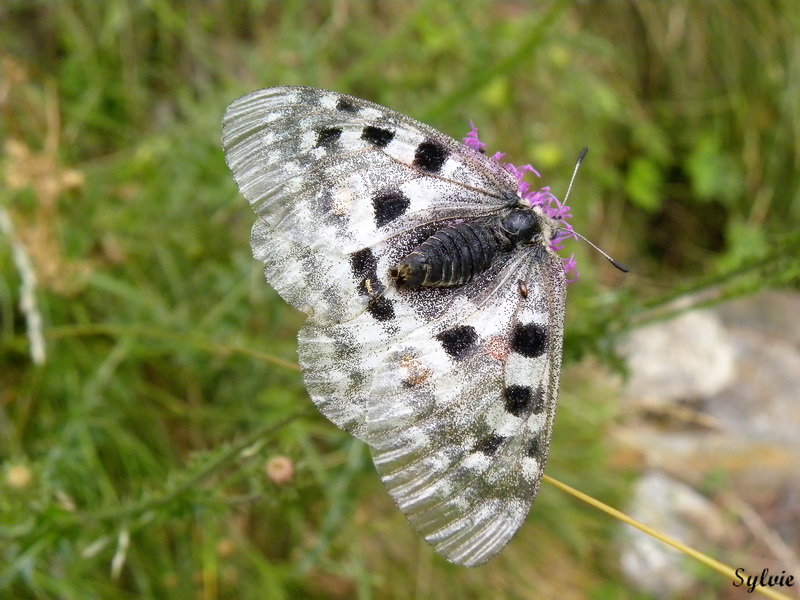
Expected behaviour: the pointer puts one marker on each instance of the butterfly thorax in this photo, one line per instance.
(458, 252)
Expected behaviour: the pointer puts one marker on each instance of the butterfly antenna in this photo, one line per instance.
(575, 172)
(614, 262)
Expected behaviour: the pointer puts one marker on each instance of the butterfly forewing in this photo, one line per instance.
(301, 156)
(454, 389)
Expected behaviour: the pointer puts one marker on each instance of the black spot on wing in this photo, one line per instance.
(364, 267)
(364, 264)
(388, 205)
(518, 399)
(490, 444)
(345, 105)
(529, 340)
(532, 447)
(382, 309)
(377, 136)
(327, 137)
(458, 341)
(430, 156)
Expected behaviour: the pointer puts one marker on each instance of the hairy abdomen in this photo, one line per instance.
(454, 255)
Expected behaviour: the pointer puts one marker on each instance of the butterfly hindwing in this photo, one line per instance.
(460, 415)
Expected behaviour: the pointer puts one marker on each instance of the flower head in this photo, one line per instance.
(543, 198)
(280, 469)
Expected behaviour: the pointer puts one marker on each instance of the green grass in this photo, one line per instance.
(133, 460)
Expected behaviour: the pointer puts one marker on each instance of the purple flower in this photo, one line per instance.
(543, 198)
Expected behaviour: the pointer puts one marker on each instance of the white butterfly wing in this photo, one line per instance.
(457, 404)
(330, 175)
(453, 389)
(460, 414)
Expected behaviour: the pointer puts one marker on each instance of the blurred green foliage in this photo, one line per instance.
(135, 460)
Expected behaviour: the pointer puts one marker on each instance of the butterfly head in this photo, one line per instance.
(530, 225)
(553, 213)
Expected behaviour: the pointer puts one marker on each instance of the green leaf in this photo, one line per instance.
(644, 184)
(713, 173)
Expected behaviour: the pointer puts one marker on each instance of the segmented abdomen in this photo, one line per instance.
(453, 255)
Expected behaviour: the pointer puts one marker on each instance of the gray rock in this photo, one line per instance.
(714, 394)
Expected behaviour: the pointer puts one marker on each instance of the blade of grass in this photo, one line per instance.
(718, 566)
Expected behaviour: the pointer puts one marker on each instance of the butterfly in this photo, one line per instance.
(435, 301)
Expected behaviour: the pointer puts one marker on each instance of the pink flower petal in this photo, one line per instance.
(543, 198)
